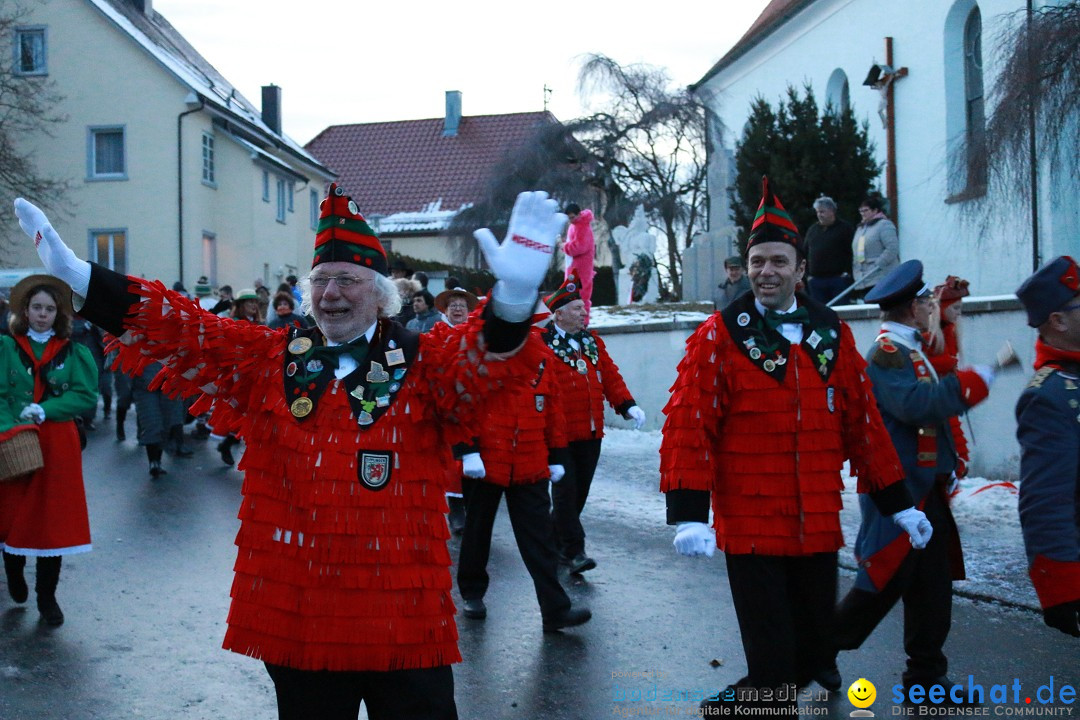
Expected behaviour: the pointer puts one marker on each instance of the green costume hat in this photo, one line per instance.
(344, 235)
(772, 222)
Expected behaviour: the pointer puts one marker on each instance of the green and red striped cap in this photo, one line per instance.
(344, 235)
(567, 293)
(772, 222)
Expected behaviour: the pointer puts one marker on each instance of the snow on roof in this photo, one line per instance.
(154, 33)
(431, 219)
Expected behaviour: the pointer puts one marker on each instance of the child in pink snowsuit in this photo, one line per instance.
(580, 248)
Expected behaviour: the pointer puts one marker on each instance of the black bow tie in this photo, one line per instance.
(775, 319)
(331, 354)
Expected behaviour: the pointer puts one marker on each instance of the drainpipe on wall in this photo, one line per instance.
(1033, 159)
(191, 99)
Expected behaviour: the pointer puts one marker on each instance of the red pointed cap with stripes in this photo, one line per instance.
(567, 293)
(344, 236)
(772, 222)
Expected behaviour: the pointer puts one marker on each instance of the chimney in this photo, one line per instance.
(143, 6)
(453, 113)
(271, 107)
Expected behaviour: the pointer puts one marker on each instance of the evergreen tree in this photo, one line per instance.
(806, 152)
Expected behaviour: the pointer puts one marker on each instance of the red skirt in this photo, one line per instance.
(46, 513)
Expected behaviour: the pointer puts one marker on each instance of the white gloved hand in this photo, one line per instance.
(694, 538)
(557, 472)
(472, 466)
(637, 415)
(915, 524)
(985, 372)
(58, 258)
(34, 412)
(521, 261)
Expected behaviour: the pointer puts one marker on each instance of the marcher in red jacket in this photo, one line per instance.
(521, 444)
(342, 583)
(586, 377)
(771, 399)
(943, 351)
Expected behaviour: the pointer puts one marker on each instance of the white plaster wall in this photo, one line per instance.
(993, 251)
(647, 360)
(108, 79)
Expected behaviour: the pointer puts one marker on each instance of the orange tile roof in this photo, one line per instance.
(402, 166)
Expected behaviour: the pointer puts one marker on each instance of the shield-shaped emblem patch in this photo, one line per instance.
(374, 468)
(539, 403)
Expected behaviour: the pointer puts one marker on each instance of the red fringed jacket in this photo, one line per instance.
(522, 430)
(585, 378)
(766, 427)
(342, 561)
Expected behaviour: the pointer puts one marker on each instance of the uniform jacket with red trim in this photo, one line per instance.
(914, 405)
(523, 425)
(1048, 428)
(342, 561)
(585, 380)
(765, 427)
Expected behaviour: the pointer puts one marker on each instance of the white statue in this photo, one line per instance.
(637, 247)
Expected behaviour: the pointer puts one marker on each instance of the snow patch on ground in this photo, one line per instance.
(628, 480)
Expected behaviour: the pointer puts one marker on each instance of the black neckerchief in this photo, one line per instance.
(372, 387)
(769, 349)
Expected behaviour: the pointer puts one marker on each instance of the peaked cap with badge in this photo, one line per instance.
(1049, 289)
(903, 284)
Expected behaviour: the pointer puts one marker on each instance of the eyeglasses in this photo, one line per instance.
(343, 281)
(864, 210)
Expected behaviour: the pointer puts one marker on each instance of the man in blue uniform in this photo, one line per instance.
(915, 405)
(1048, 428)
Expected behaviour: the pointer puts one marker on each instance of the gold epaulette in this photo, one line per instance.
(886, 355)
(1040, 376)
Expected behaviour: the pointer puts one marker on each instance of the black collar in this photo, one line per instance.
(769, 349)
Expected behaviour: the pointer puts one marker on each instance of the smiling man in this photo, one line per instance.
(770, 400)
(342, 582)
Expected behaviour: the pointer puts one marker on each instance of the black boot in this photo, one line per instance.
(225, 449)
(48, 576)
(16, 583)
(121, 415)
(176, 438)
(153, 454)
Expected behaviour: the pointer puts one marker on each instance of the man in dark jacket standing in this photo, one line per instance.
(828, 252)
(1049, 435)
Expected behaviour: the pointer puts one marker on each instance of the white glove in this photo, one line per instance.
(694, 538)
(472, 466)
(637, 415)
(557, 472)
(57, 257)
(34, 412)
(985, 372)
(521, 261)
(915, 524)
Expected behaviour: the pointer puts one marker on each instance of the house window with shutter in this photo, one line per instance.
(30, 47)
(106, 155)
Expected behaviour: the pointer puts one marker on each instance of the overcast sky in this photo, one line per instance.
(349, 62)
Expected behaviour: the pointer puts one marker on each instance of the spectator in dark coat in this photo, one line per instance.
(828, 252)
(426, 315)
(285, 312)
(736, 284)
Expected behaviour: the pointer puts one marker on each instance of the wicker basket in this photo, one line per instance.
(20, 455)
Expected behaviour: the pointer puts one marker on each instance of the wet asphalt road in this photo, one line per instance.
(146, 614)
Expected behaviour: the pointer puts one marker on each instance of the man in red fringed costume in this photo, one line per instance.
(1048, 429)
(770, 400)
(342, 584)
(587, 376)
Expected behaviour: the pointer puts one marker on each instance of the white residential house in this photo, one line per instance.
(950, 51)
(173, 173)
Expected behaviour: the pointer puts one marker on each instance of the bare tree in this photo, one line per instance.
(27, 114)
(649, 141)
(1038, 91)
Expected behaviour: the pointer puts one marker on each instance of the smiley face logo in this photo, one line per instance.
(862, 693)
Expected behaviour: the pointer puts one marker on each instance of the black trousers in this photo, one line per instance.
(568, 496)
(426, 694)
(784, 606)
(924, 582)
(529, 508)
